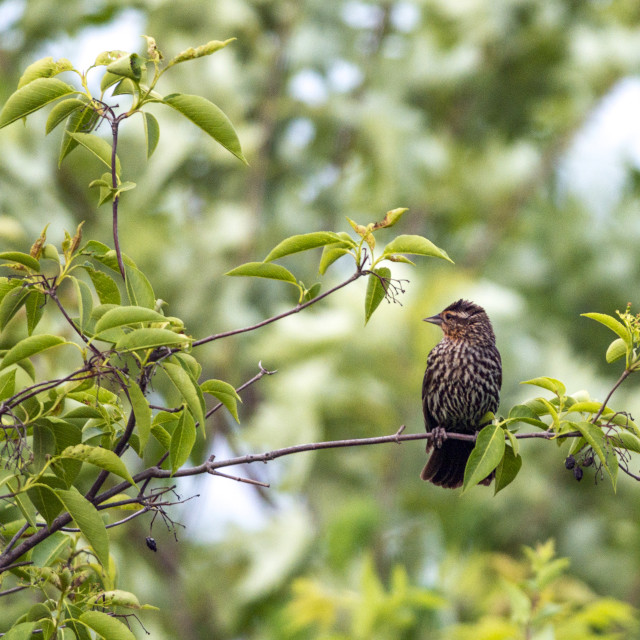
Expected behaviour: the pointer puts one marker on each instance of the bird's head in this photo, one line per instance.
(464, 320)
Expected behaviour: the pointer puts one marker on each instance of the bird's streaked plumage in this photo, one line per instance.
(461, 383)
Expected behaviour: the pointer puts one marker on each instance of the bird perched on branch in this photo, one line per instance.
(462, 383)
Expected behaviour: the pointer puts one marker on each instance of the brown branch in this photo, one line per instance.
(263, 372)
(625, 374)
(296, 309)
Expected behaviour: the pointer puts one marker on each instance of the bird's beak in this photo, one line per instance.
(434, 320)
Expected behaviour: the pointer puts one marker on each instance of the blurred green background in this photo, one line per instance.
(510, 130)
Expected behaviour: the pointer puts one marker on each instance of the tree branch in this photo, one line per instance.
(217, 336)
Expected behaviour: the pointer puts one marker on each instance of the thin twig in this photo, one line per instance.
(14, 590)
(196, 343)
(15, 539)
(621, 379)
(263, 372)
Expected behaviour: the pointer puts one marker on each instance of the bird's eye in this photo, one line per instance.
(446, 315)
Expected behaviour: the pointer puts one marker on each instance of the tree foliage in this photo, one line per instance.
(481, 166)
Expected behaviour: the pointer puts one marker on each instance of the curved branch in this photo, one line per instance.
(225, 334)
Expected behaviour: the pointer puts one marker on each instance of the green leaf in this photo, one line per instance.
(62, 111)
(20, 631)
(551, 384)
(524, 413)
(149, 338)
(45, 500)
(31, 97)
(486, 455)
(7, 384)
(81, 120)
(302, 242)
(597, 440)
(588, 406)
(43, 68)
(106, 626)
(129, 66)
(182, 441)
(47, 551)
(507, 470)
(99, 457)
(122, 316)
(29, 347)
(188, 389)
(224, 392)
(611, 323)
(415, 245)
(99, 147)
(376, 291)
(151, 132)
(617, 349)
(330, 254)
(142, 413)
(85, 302)
(12, 302)
(117, 598)
(210, 118)
(34, 307)
(88, 520)
(104, 284)
(264, 270)
(20, 258)
(139, 288)
(202, 50)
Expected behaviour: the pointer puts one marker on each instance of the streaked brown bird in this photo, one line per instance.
(462, 382)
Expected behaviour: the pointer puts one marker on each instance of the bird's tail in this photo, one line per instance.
(446, 464)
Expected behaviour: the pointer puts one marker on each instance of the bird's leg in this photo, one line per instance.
(439, 436)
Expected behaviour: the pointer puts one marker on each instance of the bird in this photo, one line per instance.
(461, 384)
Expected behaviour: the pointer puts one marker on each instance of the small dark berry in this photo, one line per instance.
(151, 543)
(577, 472)
(588, 460)
(570, 462)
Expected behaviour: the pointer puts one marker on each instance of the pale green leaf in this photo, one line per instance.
(80, 121)
(551, 384)
(302, 242)
(62, 111)
(264, 270)
(99, 147)
(104, 284)
(20, 258)
(106, 626)
(122, 316)
(611, 323)
(151, 132)
(99, 457)
(224, 392)
(150, 338)
(376, 291)
(486, 455)
(415, 245)
(88, 520)
(29, 347)
(188, 389)
(129, 66)
(508, 469)
(31, 97)
(617, 349)
(182, 441)
(43, 68)
(139, 288)
(142, 413)
(210, 118)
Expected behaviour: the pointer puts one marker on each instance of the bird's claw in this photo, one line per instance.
(439, 436)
